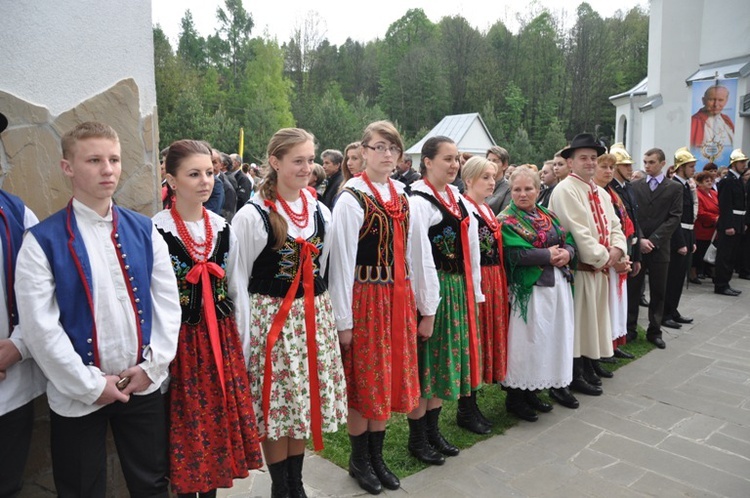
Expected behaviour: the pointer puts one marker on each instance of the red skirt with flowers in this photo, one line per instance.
(212, 439)
(377, 382)
(493, 323)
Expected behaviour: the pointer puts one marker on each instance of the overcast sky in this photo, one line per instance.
(365, 21)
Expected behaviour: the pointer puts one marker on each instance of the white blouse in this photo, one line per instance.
(424, 214)
(348, 217)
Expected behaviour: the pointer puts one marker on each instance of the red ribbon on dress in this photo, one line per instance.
(305, 270)
(471, 299)
(398, 310)
(202, 271)
(498, 233)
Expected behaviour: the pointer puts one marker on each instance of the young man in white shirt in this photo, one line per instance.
(20, 379)
(98, 303)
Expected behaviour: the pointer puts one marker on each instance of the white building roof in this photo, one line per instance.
(639, 89)
(723, 69)
(467, 130)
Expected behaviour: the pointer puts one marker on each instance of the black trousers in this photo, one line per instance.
(15, 440)
(657, 285)
(79, 459)
(678, 265)
(727, 247)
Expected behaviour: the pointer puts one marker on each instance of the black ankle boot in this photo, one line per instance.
(600, 370)
(387, 478)
(537, 404)
(294, 476)
(467, 419)
(563, 396)
(279, 485)
(589, 374)
(477, 412)
(359, 464)
(418, 445)
(434, 437)
(579, 383)
(516, 405)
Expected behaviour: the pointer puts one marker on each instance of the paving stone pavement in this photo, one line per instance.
(675, 423)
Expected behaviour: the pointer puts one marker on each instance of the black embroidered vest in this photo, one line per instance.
(445, 237)
(274, 271)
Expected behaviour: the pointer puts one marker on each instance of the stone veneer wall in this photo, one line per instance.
(30, 150)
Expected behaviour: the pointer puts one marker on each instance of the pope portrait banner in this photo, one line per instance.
(712, 124)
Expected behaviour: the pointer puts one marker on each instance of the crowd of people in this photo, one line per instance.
(256, 312)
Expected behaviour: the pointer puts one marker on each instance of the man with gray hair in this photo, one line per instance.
(332, 160)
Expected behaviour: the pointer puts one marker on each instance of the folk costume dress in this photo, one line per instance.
(540, 333)
(493, 312)
(585, 210)
(213, 432)
(618, 292)
(291, 316)
(447, 284)
(372, 295)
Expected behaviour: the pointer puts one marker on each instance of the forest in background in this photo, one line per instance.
(534, 89)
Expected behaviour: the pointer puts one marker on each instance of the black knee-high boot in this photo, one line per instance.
(294, 476)
(279, 485)
(434, 437)
(418, 445)
(360, 467)
(478, 412)
(387, 478)
(466, 417)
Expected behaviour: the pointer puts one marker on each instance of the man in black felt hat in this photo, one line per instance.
(586, 211)
(21, 380)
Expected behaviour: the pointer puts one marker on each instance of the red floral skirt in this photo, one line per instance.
(212, 440)
(493, 323)
(375, 384)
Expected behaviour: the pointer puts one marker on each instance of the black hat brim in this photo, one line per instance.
(3, 122)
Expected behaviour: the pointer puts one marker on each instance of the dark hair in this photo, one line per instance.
(430, 150)
(499, 152)
(710, 167)
(703, 176)
(658, 152)
(176, 153)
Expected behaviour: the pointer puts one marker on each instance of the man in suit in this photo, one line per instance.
(500, 197)
(332, 160)
(405, 173)
(659, 210)
(230, 187)
(621, 184)
(244, 184)
(683, 241)
(732, 223)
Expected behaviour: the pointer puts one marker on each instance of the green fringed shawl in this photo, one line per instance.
(520, 232)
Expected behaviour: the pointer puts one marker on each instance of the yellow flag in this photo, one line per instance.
(242, 143)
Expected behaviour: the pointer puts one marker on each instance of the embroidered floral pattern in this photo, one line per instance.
(445, 242)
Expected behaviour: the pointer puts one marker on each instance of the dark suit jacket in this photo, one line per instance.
(731, 198)
(332, 189)
(659, 214)
(631, 206)
(681, 236)
(407, 178)
(244, 187)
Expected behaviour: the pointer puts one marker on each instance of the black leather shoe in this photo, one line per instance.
(564, 397)
(631, 336)
(589, 374)
(726, 292)
(657, 341)
(610, 360)
(735, 290)
(466, 417)
(683, 319)
(643, 302)
(418, 445)
(600, 370)
(516, 405)
(619, 353)
(671, 324)
(580, 385)
(434, 437)
(695, 281)
(537, 404)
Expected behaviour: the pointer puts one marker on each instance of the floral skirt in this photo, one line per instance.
(289, 408)
(213, 438)
(379, 377)
(444, 359)
(493, 323)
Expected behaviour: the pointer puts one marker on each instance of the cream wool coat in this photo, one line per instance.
(593, 325)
